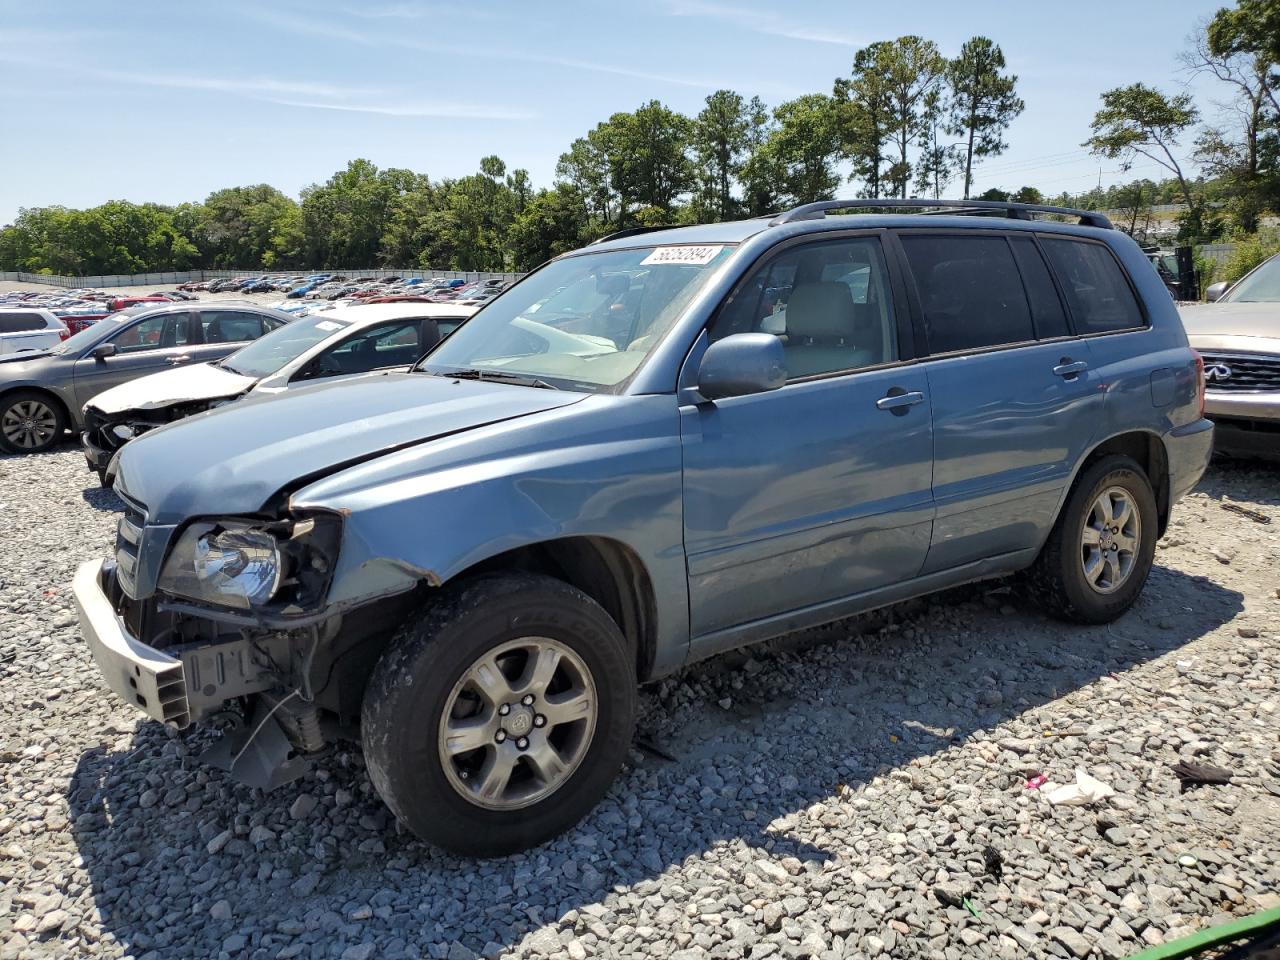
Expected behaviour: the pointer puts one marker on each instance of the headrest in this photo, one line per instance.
(821, 310)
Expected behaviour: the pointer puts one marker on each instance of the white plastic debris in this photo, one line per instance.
(1085, 790)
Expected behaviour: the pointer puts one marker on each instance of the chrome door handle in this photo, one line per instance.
(1070, 368)
(899, 401)
(181, 358)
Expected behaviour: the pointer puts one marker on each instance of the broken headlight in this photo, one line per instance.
(243, 564)
(231, 565)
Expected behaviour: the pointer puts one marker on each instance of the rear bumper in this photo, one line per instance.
(147, 678)
(1189, 449)
(1247, 438)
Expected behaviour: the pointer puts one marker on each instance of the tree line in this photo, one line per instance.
(906, 120)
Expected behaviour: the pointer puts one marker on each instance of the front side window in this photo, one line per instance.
(156, 333)
(1262, 285)
(1100, 297)
(970, 291)
(273, 351)
(828, 302)
(394, 344)
(586, 322)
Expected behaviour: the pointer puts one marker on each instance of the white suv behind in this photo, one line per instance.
(22, 331)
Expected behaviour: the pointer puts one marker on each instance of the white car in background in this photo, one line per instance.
(23, 331)
(343, 342)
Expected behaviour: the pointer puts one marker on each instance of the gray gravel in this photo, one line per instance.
(832, 795)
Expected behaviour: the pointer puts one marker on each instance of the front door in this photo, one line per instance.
(144, 346)
(820, 490)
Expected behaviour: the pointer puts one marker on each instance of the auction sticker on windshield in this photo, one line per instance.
(691, 256)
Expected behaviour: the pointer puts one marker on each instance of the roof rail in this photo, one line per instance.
(631, 232)
(1014, 211)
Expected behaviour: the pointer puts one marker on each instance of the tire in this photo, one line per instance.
(30, 422)
(434, 782)
(1061, 574)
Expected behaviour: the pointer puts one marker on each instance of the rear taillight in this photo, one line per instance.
(64, 333)
(1199, 380)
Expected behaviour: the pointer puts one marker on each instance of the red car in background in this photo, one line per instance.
(121, 303)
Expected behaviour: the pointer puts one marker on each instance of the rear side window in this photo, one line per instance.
(1097, 291)
(1046, 309)
(230, 326)
(970, 291)
(21, 322)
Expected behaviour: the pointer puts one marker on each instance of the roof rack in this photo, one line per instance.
(631, 232)
(1014, 211)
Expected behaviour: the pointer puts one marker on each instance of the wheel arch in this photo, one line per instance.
(605, 569)
(69, 421)
(1147, 448)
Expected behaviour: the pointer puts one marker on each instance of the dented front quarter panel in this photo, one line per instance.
(606, 467)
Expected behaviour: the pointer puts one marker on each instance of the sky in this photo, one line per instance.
(155, 100)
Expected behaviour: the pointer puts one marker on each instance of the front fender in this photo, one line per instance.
(608, 467)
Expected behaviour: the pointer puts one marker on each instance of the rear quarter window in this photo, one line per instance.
(1096, 288)
(21, 322)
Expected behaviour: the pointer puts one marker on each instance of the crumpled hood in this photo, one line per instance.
(233, 459)
(203, 381)
(1232, 320)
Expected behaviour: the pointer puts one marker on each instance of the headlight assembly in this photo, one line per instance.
(230, 564)
(249, 564)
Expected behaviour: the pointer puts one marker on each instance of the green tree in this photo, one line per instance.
(1138, 120)
(983, 102)
(1250, 29)
(912, 68)
(585, 167)
(1028, 195)
(553, 222)
(255, 226)
(863, 115)
(801, 153)
(720, 140)
(651, 156)
(759, 191)
(937, 163)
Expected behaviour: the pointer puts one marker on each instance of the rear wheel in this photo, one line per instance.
(1100, 552)
(500, 717)
(30, 422)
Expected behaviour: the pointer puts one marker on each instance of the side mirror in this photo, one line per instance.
(1216, 291)
(741, 364)
(103, 350)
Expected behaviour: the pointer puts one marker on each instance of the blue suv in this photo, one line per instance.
(663, 446)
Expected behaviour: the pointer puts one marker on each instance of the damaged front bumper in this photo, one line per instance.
(189, 682)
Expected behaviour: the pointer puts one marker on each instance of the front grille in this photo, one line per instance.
(128, 545)
(1243, 372)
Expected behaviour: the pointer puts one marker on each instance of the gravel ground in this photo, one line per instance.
(830, 795)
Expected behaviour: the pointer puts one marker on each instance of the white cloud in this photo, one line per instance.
(426, 109)
(761, 21)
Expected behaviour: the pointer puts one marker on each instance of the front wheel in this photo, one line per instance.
(500, 717)
(1100, 552)
(30, 422)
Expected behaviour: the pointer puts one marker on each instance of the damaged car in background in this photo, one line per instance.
(339, 343)
(43, 393)
(647, 452)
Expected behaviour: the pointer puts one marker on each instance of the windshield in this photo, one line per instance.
(1260, 286)
(272, 351)
(91, 334)
(585, 322)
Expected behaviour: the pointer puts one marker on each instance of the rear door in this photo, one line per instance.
(819, 490)
(1015, 401)
(143, 346)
